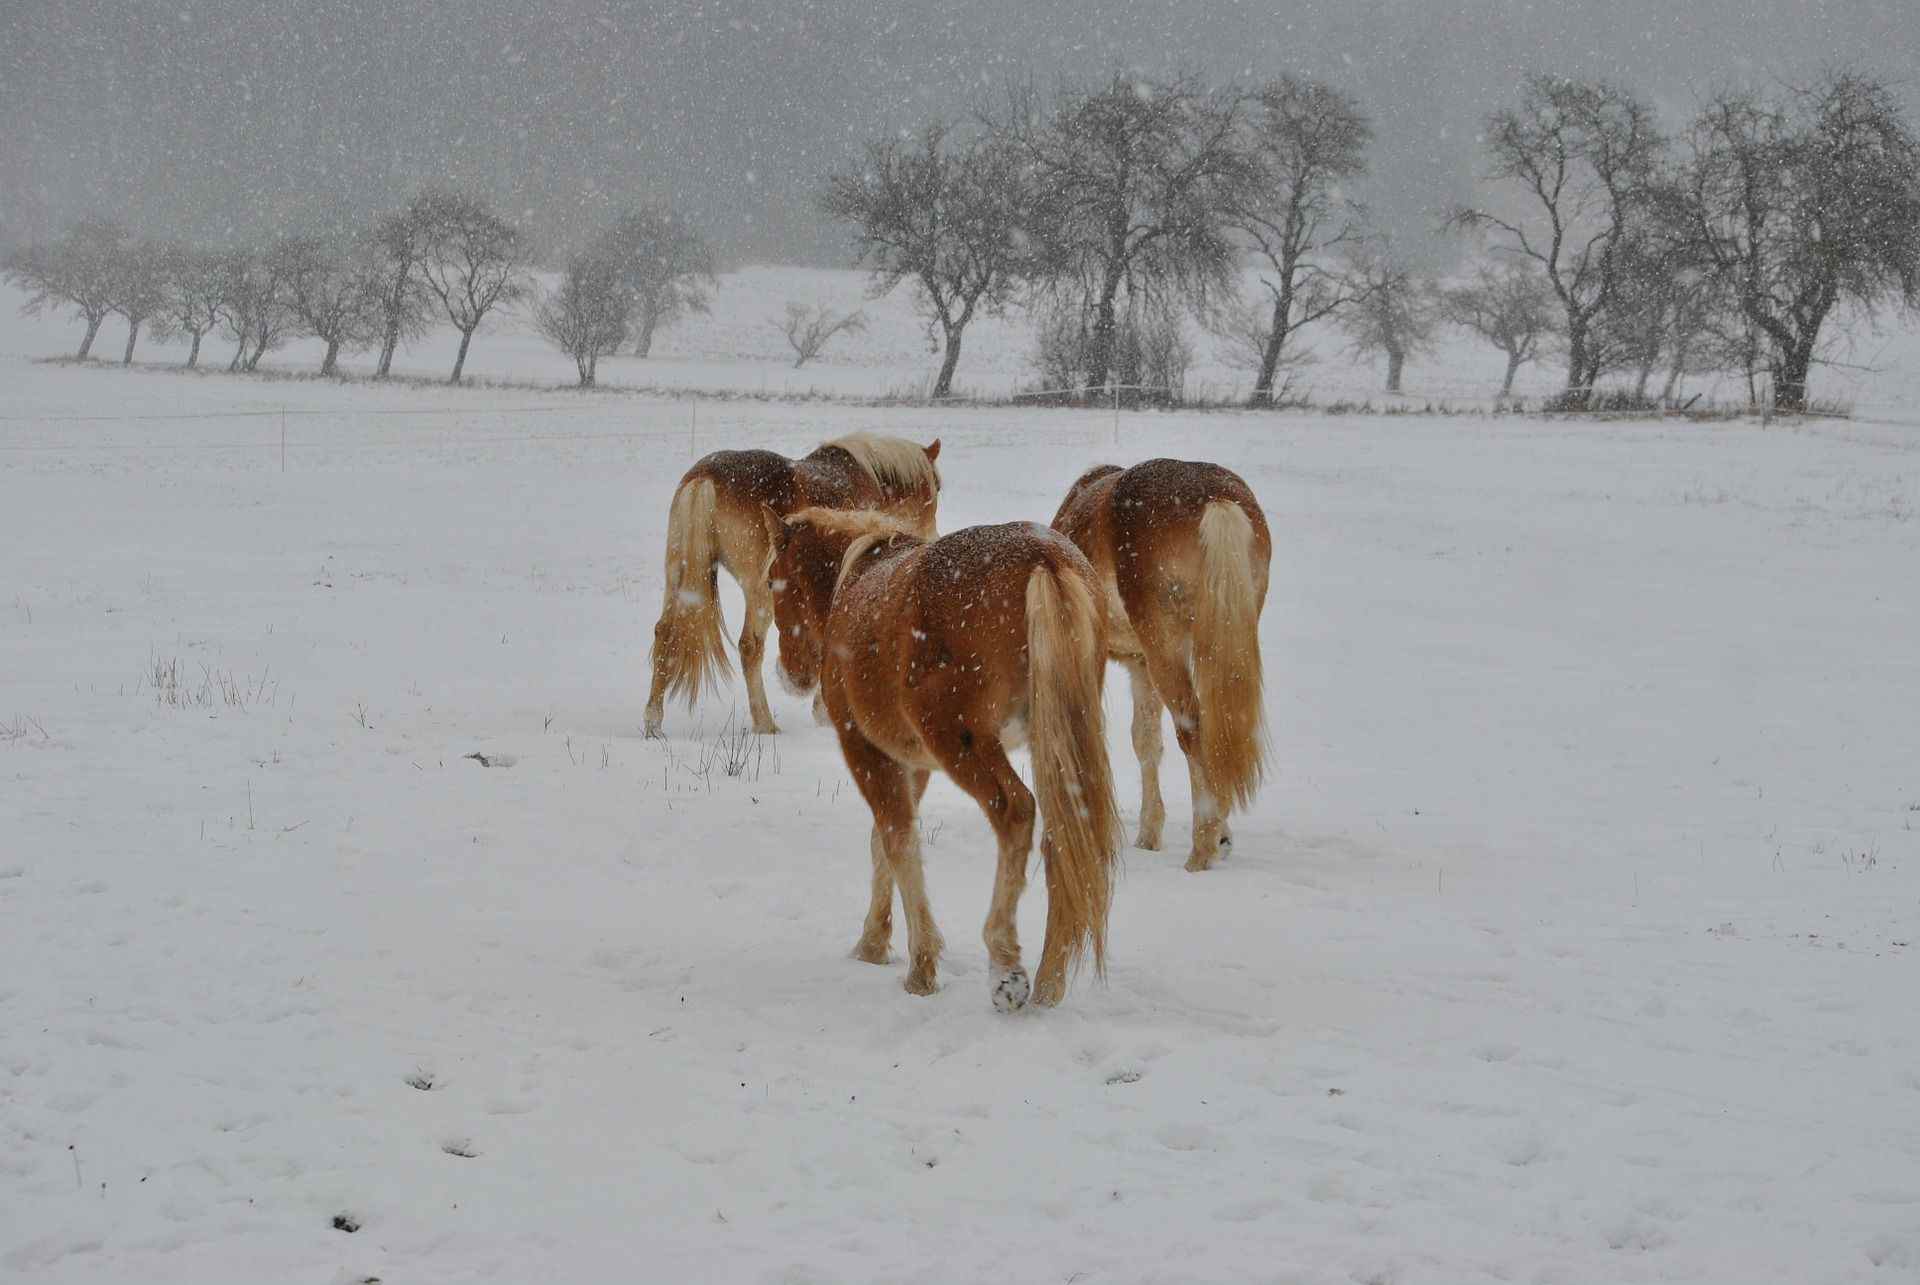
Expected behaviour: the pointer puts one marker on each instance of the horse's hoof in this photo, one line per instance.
(872, 952)
(653, 732)
(1148, 842)
(919, 983)
(1197, 863)
(769, 728)
(1049, 991)
(1011, 991)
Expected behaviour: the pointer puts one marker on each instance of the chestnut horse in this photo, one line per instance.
(943, 655)
(716, 521)
(1181, 550)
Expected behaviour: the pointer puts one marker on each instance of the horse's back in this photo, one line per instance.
(939, 631)
(750, 478)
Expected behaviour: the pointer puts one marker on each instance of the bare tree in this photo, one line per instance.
(1392, 310)
(1135, 183)
(334, 287)
(1245, 331)
(194, 288)
(587, 316)
(475, 263)
(406, 304)
(75, 272)
(1511, 307)
(1307, 141)
(139, 287)
(808, 329)
(253, 305)
(1801, 203)
(1583, 156)
(665, 266)
(948, 216)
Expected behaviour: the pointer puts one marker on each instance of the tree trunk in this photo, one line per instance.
(1790, 377)
(395, 301)
(239, 356)
(86, 342)
(133, 337)
(1513, 368)
(1396, 360)
(943, 383)
(1270, 356)
(328, 362)
(643, 339)
(193, 353)
(460, 361)
(1579, 391)
(1100, 342)
(1640, 382)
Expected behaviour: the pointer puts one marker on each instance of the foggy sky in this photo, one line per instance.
(225, 119)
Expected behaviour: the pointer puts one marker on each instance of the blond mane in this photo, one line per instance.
(868, 527)
(899, 467)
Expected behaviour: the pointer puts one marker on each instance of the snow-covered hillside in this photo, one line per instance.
(1573, 942)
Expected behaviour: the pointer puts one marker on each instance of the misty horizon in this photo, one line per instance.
(219, 122)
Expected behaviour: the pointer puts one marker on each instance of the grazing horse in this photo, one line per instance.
(1181, 550)
(716, 521)
(942, 655)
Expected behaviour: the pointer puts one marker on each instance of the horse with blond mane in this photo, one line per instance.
(1181, 550)
(942, 655)
(716, 520)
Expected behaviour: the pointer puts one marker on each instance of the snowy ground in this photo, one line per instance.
(1574, 942)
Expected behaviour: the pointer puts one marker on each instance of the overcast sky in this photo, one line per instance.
(227, 118)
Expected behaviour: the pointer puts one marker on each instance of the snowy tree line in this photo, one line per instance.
(444, 257)
(1116, 210)
(1621, 250)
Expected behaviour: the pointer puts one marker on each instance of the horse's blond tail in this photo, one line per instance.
(1226, 657)
(689, 644)
(1067, 665)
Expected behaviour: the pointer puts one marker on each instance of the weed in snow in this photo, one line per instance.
(215, 689)
(25, 727)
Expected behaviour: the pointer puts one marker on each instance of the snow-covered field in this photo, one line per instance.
(1574, 942)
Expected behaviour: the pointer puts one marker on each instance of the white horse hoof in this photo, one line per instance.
(1011, 991)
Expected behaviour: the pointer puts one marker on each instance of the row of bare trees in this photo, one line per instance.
(1612, 245)
(1730, 245)
(445, 255)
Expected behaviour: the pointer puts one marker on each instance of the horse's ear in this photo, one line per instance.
(933, 449)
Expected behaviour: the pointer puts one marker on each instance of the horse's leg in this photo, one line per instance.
(1147, 747)
(876, 936)
(889, 791)
(753, 647)
(662, 673)
(1174, 683)
(980, 767)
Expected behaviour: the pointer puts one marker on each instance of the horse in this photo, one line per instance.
(1181, 549)
(715, 521)
(942, 655)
